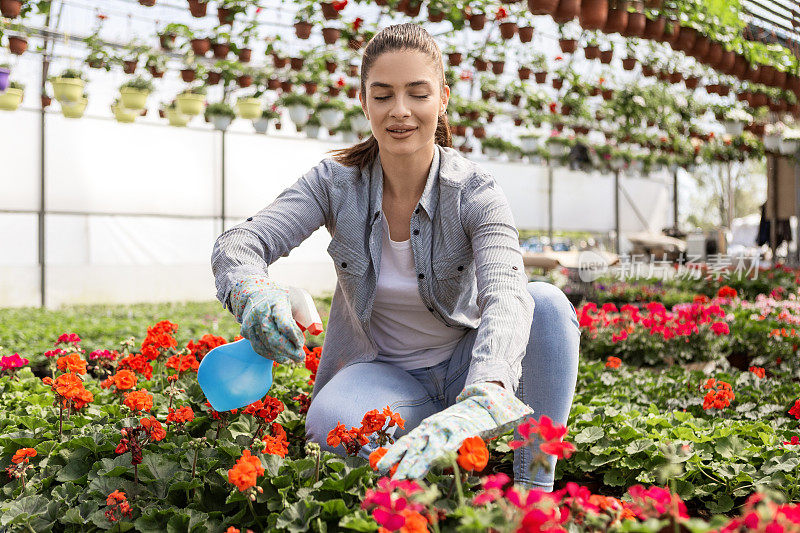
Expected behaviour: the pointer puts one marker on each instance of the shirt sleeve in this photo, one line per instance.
(253, 245)
(506, 306)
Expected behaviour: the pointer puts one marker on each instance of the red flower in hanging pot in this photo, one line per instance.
(338, 6)
(100, 16)
(559, 58)
(501, 13)
(340, 82)
(553, 106)
(465, 75)
(258, 10)
(357, 23)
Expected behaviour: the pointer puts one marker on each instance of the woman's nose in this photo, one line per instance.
(400, 107)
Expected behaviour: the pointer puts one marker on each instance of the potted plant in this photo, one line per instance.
(220, 114)
(74, 108)
(346, 129)
(198, 8)
(331, 113)
(358, 121)
(248, 107)
(5, 72)
(228, 9)
(735, 120)
(122, 113)
(11, 98)
(130, 58)
(18, 39)
(529, 139)
(68, 87)
(312, 127)
(566, 38)
(773, 133)
(221, 45)
(558, 145)
(302, 21)
(175, 117)
(299, 106)
(156, 64)
(790, 141)
(493, 146)
(262, 124)
(171, 32)
(134, 93)
(190, 101)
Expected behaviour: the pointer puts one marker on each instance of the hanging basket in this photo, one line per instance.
(508, 30)
(17, 45)
(733, 127)
(330, 117)
(124, 115)
(176, 119)
(134, 99)
(331, 35)
(298, 114)
(788, 146)
(477, 21)
(68, 89)
(10, 99)
(568, 46)
(221, 122)
(302, 29)
(248, 108)
(261, 125)
(525, 34)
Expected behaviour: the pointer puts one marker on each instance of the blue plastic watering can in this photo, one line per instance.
(234, 375)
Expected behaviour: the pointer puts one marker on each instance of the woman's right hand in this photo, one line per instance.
(263, 308)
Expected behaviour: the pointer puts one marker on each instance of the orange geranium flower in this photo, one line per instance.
(181, 415)
(22, 455)
(153, 428)
(124, 379)
(376, 456)
(613, 362)
(276, 445)
(758, 371)
(373, 421)
(82, 398)
(139, 400)
(245, 472)
(68, 385)
(394, 418)
(473, 454)
(71, 363)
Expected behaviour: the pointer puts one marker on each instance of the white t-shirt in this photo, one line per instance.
(406, 333)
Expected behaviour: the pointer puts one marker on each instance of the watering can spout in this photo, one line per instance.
(234, 375)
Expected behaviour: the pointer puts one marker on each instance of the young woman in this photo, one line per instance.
(432, 314)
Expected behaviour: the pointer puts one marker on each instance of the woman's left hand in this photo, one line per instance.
(482, 409)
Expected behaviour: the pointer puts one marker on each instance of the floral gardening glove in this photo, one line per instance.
(263, 309)
(483, 409)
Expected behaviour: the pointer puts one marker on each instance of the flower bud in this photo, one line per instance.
(252, 497)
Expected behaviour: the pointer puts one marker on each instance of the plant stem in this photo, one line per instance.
(60, 417)
(250, 503)
(457, 477)
(316, 468)
(136, 473)
(194, 466)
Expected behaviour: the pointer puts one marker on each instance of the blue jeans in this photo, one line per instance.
(549, 374)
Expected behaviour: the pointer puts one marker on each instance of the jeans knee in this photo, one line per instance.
(551, 305)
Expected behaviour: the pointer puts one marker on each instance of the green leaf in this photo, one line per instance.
(589, 434)
(333, 509)
(159, 470)
(722, 504)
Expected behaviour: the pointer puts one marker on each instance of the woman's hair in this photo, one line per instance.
(407, 36)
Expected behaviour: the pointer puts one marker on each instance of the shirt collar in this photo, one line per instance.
(430, 197)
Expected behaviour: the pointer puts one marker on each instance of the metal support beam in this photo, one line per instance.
(617, 228)
(222, 184)
(797, 210)
(773, 221)
(675, 200)
(550, 202)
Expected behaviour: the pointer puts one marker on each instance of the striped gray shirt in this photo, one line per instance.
(465, 246)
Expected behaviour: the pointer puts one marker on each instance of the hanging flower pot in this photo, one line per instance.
(10, 8)
(261, 125)
(435, 16)
(45, 101)
(516, 99)
(4, 74)
(608, 94)
(675, 77)
(727, 62)
(200, 47)
(508, 30)
(278, 125)
(224, 16)
(175, 118)
(248, 108)
(328, 11)
(714, 54)
(188, 75)
(333, 90)
(213, 77)
(636, 21)
(330, 117)
(770, 76)
(167, 41)
(566, 11)
(629, 63)
(524, 73)
(672, 31)
(221, 50)
(566, 110)
(360, 123)
(296, 63)
(245, 54)
(479, 132)
(691, 82)
(518, 121)
(594, 91)
(244, 81)
(591, 51)
(498, 67)
(68, 89)
(772, 142)
(155, 72)
(351, 91)
(789, 146)
(543, 7)
(654, 28)
(310, 87)
(302, 29)
(568, 46)
(606, 56)
(221, 122)
(480, 65)
(10, 99)
(129, 66)
(648, 71)
(331, 35)
(525, 34)
(733, 127)
(454, 59)
(17, 45)
(147, 3)
(557, 83)
(74, 109)
(273, 84)
(279, 61)
(298, 114)
(133, 99)
(198, 8)
(286, 86)
(541, 76)
(701, 46)
(477, 21)
(352, 70)
(617, 19)
(190, 104)
(124, 115)
(410, 7)
(594, 14)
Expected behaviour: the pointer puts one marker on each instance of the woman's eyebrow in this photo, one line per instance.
(410, 84)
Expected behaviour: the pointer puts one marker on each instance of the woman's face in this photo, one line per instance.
(404, 93)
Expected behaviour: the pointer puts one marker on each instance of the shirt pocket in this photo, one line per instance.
(453, 276)
(450, 267)
(351, 265)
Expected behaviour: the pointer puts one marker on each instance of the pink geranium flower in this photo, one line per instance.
(12, 362)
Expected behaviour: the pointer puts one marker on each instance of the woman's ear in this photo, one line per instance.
(363, 103)
(445, 99)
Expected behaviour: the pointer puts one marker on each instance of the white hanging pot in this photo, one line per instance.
(330, 117)
(349, 136)
(772, 142)
(556, 149)
(491, 152)
(298, 114)
(360, 123)
(261, 125)
(528, 144)
(733, 127)
(312, 132)
(788, 146)
(637, 165)
(221, 122)
(617, 163)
